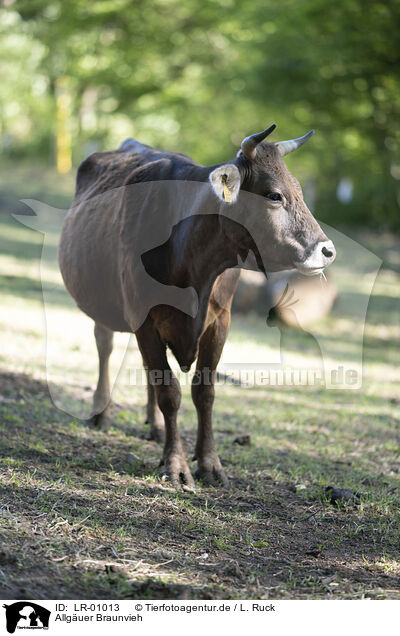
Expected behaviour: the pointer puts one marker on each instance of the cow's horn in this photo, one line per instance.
(285, 147)
(249, 144)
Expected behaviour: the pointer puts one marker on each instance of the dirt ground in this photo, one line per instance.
(81, 517)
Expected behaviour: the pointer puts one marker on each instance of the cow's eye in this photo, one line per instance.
(274, 196)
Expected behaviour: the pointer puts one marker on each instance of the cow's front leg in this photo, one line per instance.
(168, 394)
(174, 460)
(211, 344)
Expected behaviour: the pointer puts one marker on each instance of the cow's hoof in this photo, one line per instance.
(210, 472)
(99, 422)
(175, 469)
(212, 477)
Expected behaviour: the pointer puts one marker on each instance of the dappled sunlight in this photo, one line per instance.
(108, 525)
(306, 418)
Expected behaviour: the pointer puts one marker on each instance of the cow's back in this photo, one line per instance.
(133, 162)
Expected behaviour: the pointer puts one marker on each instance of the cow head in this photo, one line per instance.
(294, 238)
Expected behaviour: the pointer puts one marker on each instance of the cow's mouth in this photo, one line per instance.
(309, 271)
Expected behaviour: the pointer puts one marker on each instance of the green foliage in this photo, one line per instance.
(198, 77)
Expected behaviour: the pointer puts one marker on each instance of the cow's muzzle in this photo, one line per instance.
(323, 254)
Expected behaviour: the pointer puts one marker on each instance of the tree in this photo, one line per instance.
(198, 77)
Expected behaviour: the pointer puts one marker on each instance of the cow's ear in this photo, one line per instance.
(225, 181)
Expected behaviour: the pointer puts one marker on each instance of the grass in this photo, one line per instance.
(81, 518)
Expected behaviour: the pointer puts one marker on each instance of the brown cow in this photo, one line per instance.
(133, 261)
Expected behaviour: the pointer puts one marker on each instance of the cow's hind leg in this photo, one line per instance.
(168, 394)
(210, 348)
(99, 417)
(154, 416)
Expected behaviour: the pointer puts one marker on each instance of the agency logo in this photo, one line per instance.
(26, 615)
(143, 239)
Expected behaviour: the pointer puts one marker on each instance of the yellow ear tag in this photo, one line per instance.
(227, 192)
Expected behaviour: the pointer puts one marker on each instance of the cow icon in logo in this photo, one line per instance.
(26, 615)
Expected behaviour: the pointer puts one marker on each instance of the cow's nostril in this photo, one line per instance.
(327, 252)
